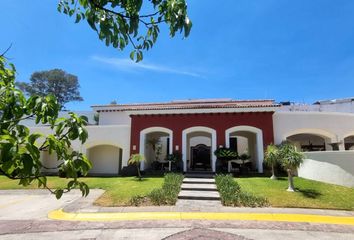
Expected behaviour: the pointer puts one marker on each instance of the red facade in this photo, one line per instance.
(218, 121)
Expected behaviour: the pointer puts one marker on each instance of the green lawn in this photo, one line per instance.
(309, 194)
(119, 190)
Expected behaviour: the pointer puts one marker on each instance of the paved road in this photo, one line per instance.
(23, 214)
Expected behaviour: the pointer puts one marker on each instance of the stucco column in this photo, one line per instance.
(259, 150)
(184, 151)
(341, 144)
(142, 149)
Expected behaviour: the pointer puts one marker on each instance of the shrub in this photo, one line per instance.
(157, 197)
(232, 195)
(136, 200)
(167, 195)
(249, 200)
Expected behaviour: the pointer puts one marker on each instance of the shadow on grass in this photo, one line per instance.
(259, 175)
(309, 193)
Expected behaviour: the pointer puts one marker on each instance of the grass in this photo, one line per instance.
(232, 194)
(119, 190)
(309, 194)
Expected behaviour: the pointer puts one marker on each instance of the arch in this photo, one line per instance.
(184, 144)
(106, 159)
(99, 143)
(259, 142)
(348, 141)
(349, 134)
(315, 131)
(146, 131)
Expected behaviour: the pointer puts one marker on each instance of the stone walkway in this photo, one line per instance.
(198, 193)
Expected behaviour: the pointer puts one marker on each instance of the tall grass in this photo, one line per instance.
(167, 195)
(232, 194)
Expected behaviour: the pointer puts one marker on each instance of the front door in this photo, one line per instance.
(201, 157)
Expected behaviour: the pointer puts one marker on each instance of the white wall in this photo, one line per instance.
(194, 141)
(115, 135)
(336, 167)
(104, 159)
(114, 118)
(49, 161)
(335, 126)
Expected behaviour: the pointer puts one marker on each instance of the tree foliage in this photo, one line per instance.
(272, 157)
(290, 160)
(20, 149)
(136, 159)
(120, 23)
(64, 86)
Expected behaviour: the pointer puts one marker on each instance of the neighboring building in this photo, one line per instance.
(196, 128)
(345, 105)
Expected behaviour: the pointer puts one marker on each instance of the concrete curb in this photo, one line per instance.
(133, 216)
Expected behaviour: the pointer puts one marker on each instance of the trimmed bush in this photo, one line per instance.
(167, 195)
(232, 194)
(157, 197)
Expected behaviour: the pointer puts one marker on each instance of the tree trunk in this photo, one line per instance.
(273, 177)
(139, 175)
(291, 181)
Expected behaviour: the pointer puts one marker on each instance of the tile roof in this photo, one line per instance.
(189, 104)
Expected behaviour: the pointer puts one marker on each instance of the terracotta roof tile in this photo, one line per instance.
(193, 104)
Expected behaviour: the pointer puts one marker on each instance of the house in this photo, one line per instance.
(196, 128)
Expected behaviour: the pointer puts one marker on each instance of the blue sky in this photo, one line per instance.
(246, 49)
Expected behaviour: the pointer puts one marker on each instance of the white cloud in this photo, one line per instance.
(126, 64)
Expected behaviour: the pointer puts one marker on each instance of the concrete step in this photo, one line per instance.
(199, 195)
(198, 187)
(199, 180)
(198, 205)
(199, 175)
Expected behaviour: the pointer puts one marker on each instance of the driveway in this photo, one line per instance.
(32, 204)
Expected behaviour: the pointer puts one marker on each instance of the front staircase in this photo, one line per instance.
(198, 191)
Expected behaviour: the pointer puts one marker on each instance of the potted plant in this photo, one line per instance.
(176, 159)
(244, 157)
(223, 156)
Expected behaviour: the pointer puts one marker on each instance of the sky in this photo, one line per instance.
(286, 50)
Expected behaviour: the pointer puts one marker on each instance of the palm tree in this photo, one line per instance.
(290, 161)
(272, 158)
(136, 159)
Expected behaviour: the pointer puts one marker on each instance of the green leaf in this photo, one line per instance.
(58, 193)
(132, 54)
(78, 18)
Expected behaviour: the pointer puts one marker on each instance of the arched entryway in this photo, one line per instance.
(198, 146)
(155, 144)
(249, 140)
(349, 142)
(106, 159)
(310, 140)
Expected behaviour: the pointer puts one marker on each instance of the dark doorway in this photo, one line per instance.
(200, 157)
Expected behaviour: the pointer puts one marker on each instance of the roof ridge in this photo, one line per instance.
(186, 103)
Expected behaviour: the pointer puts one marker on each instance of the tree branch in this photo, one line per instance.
(17, 120)
(3, 54)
